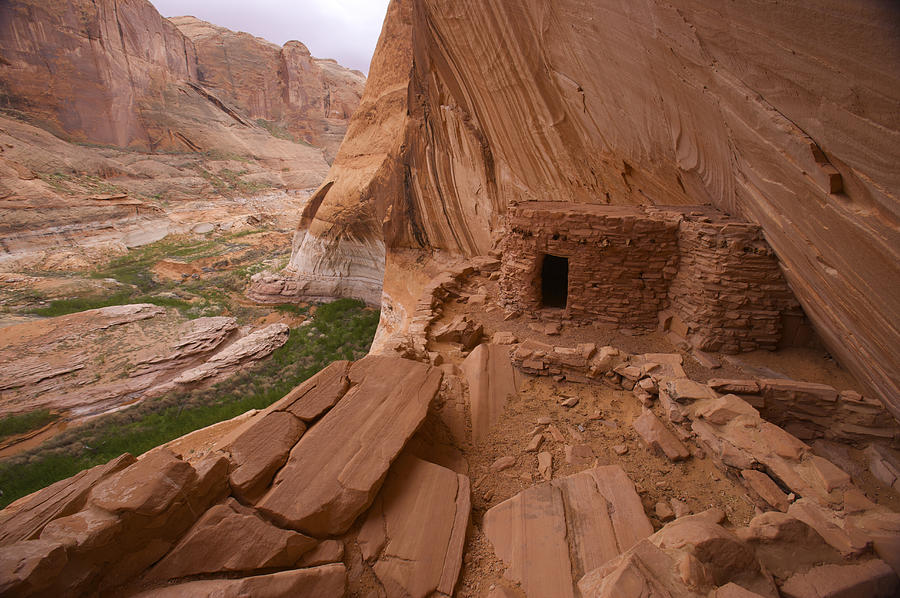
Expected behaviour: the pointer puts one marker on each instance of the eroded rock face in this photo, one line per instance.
(732, 105)
(313, 98)
(123, 75)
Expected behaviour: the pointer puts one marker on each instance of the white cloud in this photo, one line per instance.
(346, 30)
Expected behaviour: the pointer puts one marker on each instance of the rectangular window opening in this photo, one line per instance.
(554, 281)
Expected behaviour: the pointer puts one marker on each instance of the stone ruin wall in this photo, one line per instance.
(711, 280)
(729, 294)
(621, 260)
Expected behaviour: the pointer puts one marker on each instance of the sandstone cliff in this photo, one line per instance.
(785, 115)
(116, 72)
(312, 98)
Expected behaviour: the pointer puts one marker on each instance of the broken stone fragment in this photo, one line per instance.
(570, 402)
(230, 537)
(658, 437)
(598, 511)
(492, 383)
(504, 338)
(503, 463)
(768, 490)
(421, 515)
(336, 468)
(685, 389)
(663, 511)
(328, 581)
(535, 443)
(545, 465)
(260, 451)
(311, 399)
(724, 409)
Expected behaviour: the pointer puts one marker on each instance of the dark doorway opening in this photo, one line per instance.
(554, 281)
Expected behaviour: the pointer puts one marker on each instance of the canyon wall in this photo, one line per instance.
(786, 115)
(311, 98)
(115, 72)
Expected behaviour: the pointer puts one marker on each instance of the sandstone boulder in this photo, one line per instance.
(416, 529)
(313, 398)
(25, 518)
(335, 470)
(329, 581)
(30, 566)
(260, 451)
(659, 438)
(596, 512)
(231, 538)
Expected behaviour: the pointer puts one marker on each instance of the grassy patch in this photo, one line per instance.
(13, 425)
(340, 330)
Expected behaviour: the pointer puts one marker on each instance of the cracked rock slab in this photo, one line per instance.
(416, 529)
(337, 467)
(550, 535)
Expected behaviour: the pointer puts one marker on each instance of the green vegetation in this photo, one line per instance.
(340, 330)
(72, 184)
(13, 425)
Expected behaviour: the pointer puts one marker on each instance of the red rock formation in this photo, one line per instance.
(116, 72)
(781, 115)
(313, 98)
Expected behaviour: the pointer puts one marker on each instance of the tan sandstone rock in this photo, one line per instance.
(332, 476)
(491, 383)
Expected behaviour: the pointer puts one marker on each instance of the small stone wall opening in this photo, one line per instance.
(554, 281)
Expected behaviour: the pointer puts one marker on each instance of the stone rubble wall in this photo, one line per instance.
(709, 279)
(806, 409)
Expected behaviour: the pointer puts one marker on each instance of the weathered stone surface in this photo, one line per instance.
(422, 512)
(766, 489)
(327, 551)
(597, 510)
(643, 571)
(25, 518)
(545, 465)
(260, 451)
(229, 538)
(492, 382)
(329, 581)
(320, 393)
(724, 409)
(85, 530)
(685, 390)
(148, 487)
(30, 566)
(873, 579)
(252, 347)
(335, 470)
(723, 553)
(658, 437)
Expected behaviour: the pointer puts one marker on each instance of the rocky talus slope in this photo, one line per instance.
(782, 115)
(488, 467)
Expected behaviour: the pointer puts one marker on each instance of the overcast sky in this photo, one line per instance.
(346, 30)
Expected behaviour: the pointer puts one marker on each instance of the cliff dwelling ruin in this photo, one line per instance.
(710, 279)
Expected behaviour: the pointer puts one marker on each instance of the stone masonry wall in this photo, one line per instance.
(621, 260)
(729, 293)
(710, 279)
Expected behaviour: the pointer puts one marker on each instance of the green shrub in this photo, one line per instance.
(13, 425)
